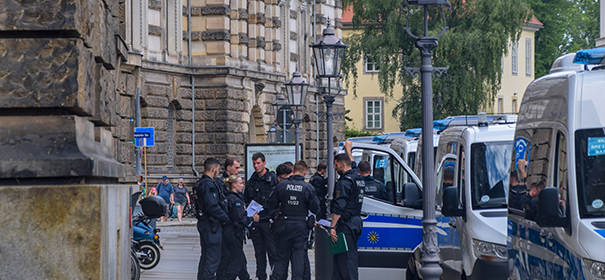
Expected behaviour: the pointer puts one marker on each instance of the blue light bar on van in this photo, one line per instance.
(379, 139)
(592, 56)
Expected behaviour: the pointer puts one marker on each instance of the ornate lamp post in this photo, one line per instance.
(328, 53)
(273, 134)
(296, 89)
(430, 260)
(282, 111)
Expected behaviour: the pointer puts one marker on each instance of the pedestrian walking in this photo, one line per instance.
(181, 198)
(165, 191)
(211, 216)
(293, 199)
(320, 183)
(232, 167)
(258, 188)
(233, 260)
(346, 214)
(373, 187)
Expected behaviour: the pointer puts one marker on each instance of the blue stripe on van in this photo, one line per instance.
(395, 233)
(600, 232)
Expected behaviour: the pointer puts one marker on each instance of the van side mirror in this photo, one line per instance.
(451, 207)
(550, 211)
(412, 196)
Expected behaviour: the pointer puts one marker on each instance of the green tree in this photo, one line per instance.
(480, 31)
(569, 26)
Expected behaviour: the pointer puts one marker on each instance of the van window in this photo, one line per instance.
(445, 177)
(590, 163)
(489, 173)
(529, 170)
(560, 179)
(461, 175)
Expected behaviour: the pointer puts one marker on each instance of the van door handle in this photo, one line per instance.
(364, 214)
(452, 224)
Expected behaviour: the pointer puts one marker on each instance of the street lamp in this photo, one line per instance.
(430, 258)
(328, 52)
(283, 112)
(296, 89)
(273, 134)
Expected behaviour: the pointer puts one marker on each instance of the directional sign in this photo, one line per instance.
(144, 137)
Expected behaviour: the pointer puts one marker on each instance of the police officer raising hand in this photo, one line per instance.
(294, 198)
(209, 200)
(346, 217)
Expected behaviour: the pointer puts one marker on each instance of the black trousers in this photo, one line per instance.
(233, 259)
(264, 245)
(346, 264)
(291, 246)
(211, 249)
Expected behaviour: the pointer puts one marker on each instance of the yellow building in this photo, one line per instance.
(371, 110)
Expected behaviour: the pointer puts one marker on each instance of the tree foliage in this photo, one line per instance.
(569, 26)
(480, 31)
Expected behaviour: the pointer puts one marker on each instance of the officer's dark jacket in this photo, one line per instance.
(210, 197)
(348, 197)
(320, 184)
(294, 197)
(259, 189)
(236, 210)
(220, 181)
(375, 188)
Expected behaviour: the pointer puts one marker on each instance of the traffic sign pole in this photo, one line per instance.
(146, 185)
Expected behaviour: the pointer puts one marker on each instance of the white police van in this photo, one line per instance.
(471, 178)
(392, 228)
(556, 220)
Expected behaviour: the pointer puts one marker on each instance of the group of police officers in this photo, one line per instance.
(282, 230)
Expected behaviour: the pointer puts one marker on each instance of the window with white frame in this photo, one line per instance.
(514, 105)
(500, 105)
(373, 114)
(514, 55)
(528, 57)
(371, 66)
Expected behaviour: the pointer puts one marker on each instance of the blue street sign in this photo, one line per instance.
(144, 137)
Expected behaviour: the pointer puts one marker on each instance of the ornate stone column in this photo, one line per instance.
(63, 213)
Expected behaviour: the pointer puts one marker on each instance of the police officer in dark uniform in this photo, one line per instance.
(346, 214)
(232, 167)
(209, 199)
(258, 188)
(373, 187)
(233, 262)
(320, 183)
(294, 198)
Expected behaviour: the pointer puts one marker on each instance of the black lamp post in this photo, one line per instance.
(283, 111)
(296, 89)
(328, 53)
(426, 44)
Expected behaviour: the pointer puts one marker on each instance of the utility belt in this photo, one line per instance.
(348, 215)
(296, 218)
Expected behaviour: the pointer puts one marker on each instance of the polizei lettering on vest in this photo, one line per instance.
(294, 188)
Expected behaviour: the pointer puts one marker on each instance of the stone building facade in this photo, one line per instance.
(207, 91)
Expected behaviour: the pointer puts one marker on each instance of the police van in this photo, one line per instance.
(556, 218)
(392, 228)
(472, 179)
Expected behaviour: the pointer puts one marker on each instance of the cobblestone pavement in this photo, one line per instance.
(182, 250)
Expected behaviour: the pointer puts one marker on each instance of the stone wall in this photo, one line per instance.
(63, 213)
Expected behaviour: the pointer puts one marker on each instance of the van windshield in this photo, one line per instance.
(489, 173)
(590, 163)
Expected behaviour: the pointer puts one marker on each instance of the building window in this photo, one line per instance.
(514, 105)
(528, 57)
(514, 54)
(373, 114)
(500, 105)
(371, 66)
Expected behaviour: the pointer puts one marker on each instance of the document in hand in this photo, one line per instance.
(324, 223)
(253, 208)
(340, 246)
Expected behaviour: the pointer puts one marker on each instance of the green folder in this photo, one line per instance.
(340, 246)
